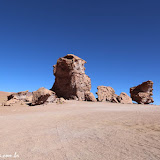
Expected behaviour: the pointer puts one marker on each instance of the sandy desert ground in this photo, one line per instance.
(80, 131)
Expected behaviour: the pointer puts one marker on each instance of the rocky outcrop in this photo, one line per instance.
(71, 82)
(43, 95)
(124, 98)
(106, 94)
(142, 93)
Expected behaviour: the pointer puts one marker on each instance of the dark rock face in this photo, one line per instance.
(71, 82)
(142, 93)
(43, 95)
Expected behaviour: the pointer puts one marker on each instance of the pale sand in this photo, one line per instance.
(81, 131)
(3, 96)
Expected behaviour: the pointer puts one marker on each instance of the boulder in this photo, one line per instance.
(90, 97)
(124, 98)
(106, 94)
(142, 93)
(71, 82)
(43, 95)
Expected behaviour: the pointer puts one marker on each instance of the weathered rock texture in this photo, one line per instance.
(43, 95)
(142, 93)
(71, 82)
(106, 94)
(124, 98)
(19, 97)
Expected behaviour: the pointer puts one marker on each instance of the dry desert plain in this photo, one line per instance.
(79, 131)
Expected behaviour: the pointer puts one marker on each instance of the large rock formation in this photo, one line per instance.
(43, 95)
(142, 93)
(71, 82)
(124, 98)
(106, 94)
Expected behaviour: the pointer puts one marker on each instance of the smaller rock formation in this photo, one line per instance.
(21, 97)
(43, 95)
(106, 94)
(142, 93)
(124, 98)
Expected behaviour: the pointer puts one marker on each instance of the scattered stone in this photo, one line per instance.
(124, 98)
(71, 82)
(43, 95)
(142, 93)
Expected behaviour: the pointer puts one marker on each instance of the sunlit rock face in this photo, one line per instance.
(142, 93)
(106, 94)
(71, 82)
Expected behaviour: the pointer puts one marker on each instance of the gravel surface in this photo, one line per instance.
(80, 131)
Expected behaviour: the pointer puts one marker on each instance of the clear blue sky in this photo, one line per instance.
(119, 39)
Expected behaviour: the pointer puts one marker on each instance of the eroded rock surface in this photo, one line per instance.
(43, 95)
(142, 93)
(71, 82)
